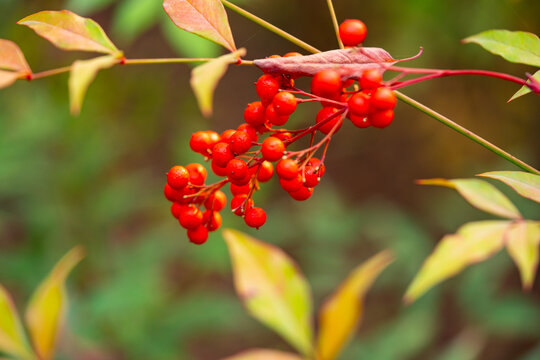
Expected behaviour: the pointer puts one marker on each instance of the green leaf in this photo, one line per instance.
(525, 184)
(474, 242)
(341, 313)
(515, 46)
(46, 311)
(204, 79)
(7, 78)
(272, 288)
(69, 31)
(88, 7)
(525, 89)
(479, 194)
(12, 58)
(206, 18)
(12, 338)
(522, 245)
(83, 72)
(263, 354)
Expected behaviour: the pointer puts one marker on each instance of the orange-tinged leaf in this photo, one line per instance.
(341, 313)
(83, 72)
(205, 78)
(206, 18)
(272, 288)
(525, 184)
(12, 338)
(46, 311)
(69, 31)
(474, 242)
(264, 354)
(522, 245)
(479, 194)
(12, 58)
(7, 78)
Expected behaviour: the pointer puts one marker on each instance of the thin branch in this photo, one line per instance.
(335, 22)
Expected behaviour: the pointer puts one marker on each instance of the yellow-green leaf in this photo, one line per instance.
(12, 58)
(12, 338)
(474, 242)
(525, 184)
(272, 288)
(206, 18)
(479, 194)
(46, 311)
(341, 313)
(205, 78)
(69, 31)
(525, 89)
(263, 354)
(83, 72)
(515, 46)
(7, 78)
(522, 245)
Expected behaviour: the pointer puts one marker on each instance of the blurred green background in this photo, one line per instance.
(144, 292)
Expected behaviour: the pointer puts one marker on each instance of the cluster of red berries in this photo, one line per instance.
(244, 161)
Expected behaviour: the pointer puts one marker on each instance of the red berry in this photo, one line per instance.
(212, 220)
(273, 117)
(172, 194)
(214, 138)
(222, 154)
(324, 114)
(254, 114)
(381, 119)
(226, 135)
(272, 149)
(352, 32)
(178, 177)
(240, 203)
(282, 135)
(292, 54)
(267, 88)
(291, 184)
(251, 131)
(316, 164)
(218, 170)
(239, 190)
(383, 98)
(237, 169)
(175, 209)
(216, 202)
(359, 104)
(313, 172)
(200, 142)
(255, 217)
(198, 235)
(284, 103)
(287, 169)
(185, 197)
(240, 142)
(190, 217)
(360, 121)
(197, 174)
(327, 83)
(371, 79)
(265, 172)
(303, 194)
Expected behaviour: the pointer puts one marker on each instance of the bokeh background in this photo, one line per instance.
(144, 292)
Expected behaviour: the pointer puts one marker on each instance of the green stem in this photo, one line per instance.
(270, 27)
(335, 22)
(463, 131)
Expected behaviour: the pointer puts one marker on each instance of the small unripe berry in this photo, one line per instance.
(198, 235)
(284, 103)
(287, 169)
(178, 177)
(272, 149)
(255, 217)
(352, 32)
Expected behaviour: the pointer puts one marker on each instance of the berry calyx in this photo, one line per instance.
(352, 32)
(255, 217)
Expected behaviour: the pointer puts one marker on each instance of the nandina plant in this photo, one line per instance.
(353, 83)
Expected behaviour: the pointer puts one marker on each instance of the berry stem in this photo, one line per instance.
(270, 27)
(463, 131)
(335, 22)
